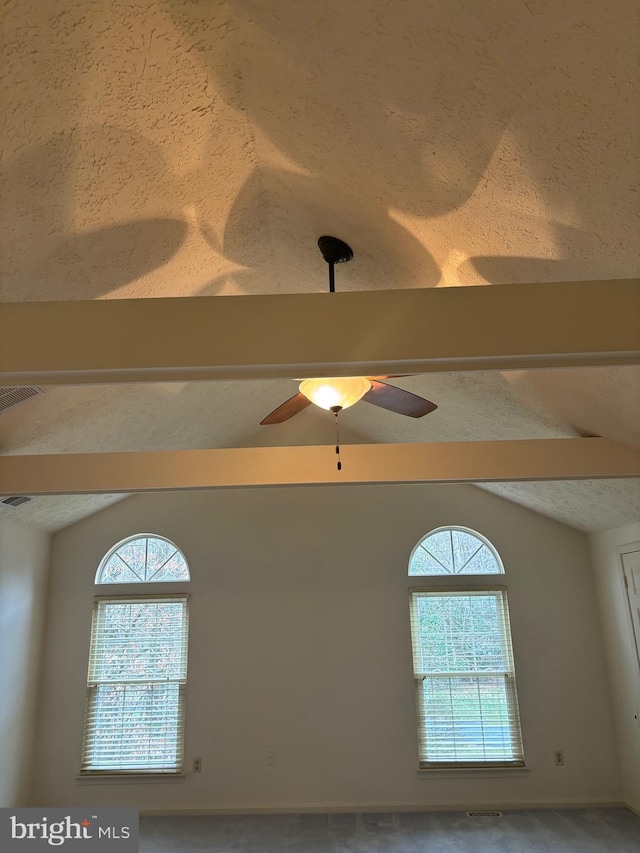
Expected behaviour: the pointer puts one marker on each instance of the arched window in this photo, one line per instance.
(464, 673)
(134, 720)
(454, 551)
(143, 559)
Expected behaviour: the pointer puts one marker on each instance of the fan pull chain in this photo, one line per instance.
(336, 413)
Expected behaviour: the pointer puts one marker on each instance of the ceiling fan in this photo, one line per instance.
(340, 392)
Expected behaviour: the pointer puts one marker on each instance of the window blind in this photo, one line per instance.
(465, 680)
(135, 687)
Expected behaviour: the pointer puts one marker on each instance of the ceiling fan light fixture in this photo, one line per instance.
(339, 391)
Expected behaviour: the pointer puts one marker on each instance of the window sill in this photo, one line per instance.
(128, 778)
(472, 772)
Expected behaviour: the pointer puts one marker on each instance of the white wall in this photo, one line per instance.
(24, 554)
(621, 652)
(300, 643)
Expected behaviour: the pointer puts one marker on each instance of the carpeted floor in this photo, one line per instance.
(533, 831)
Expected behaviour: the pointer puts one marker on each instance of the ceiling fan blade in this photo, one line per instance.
(287, 410)
(398, 400)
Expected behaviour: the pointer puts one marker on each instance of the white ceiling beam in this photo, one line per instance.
(445, 462)
(374, 332)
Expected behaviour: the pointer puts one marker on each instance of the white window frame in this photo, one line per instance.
(456, 528)
(461, 584)
(102, 580)
(95, 682)
(139, 592)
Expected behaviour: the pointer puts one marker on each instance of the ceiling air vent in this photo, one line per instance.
(484, 814)
(10, 397)
(15, 501)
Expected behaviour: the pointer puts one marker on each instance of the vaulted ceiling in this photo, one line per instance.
(176, 148)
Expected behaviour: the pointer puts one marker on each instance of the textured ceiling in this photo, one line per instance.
(182, 148)
(472, 406)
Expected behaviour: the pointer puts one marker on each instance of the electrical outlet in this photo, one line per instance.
(558, 757)
(197, 765)
(270, 757)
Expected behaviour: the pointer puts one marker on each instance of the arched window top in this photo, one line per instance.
(454, 551)
(143, 558)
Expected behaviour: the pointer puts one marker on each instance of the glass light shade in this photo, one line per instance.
(341, 391)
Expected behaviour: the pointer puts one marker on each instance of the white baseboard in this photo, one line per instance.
(384, 807)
